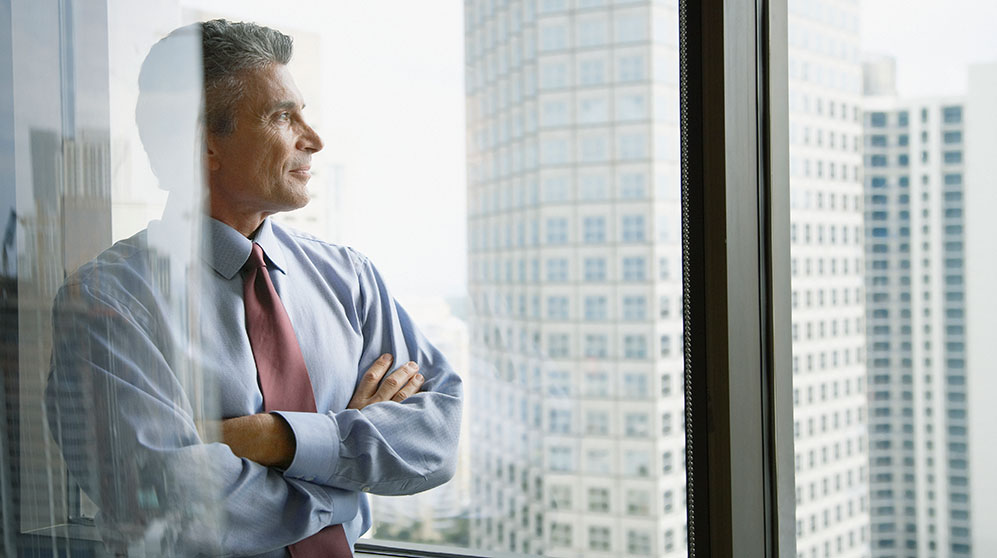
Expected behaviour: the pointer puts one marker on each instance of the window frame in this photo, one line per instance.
(735, 202)
(736, 255)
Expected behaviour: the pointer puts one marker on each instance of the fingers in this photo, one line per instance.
(398, 386)
(372, 377)
(410, 388)
(396, 382)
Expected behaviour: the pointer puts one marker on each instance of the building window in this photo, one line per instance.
(952, 115)
(666, 345)
(597, 423)
(560, 497)
(557, 345)
(560, 421)
(557, 307)
(632, 185)
(599, 538)
(639, 542)
(597, 462)
(557, 269)
(638, 502)
(596, 345)
(592, 72)
(553, 75)
(592, 32)
(631, 107)
(634, 307)
(633, 228)
(596, 308)
(594, 229)
(594, 149)
(635, 385)
(560, 458)
(634, 347)
(598, 500)
(634, 268)
(630, 27)
(593, 110)
(636, 463)
(557, 230)
(632, 147)
(636, 425)
(560, 534)
(553, 37)
(595, 269)
(630, 68)
(597, 384)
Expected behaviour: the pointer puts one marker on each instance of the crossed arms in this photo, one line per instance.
(125, 413)
(268, 439)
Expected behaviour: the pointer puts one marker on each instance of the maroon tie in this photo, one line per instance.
(283, 379)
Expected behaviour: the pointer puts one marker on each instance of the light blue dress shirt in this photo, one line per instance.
(137, 367)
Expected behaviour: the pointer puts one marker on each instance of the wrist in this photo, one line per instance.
(282, 444)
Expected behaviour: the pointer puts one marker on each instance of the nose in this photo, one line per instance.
(309, 139)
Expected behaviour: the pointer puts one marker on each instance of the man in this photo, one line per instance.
(288, 338)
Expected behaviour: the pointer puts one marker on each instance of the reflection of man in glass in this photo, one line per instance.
(312, 417)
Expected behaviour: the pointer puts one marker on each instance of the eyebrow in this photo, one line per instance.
(286, 105)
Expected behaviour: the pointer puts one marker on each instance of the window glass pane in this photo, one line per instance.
(618, 230)
(882, 284)
(533, 242)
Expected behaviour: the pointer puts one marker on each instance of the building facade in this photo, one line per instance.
(919, 474)
(828, 295)
(574, 276)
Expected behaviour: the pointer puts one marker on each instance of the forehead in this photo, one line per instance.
(268, 87)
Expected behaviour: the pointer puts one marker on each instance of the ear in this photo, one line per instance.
(212, 155)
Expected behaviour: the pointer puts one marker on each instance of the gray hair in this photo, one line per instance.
(228, 51)
(174, 88)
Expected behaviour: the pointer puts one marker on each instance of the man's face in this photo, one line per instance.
(264, 165)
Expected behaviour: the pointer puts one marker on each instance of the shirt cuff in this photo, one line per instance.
(316, 438)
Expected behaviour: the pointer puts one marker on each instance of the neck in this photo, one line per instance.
(245, 224)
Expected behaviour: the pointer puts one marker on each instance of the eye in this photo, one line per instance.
(284, 116)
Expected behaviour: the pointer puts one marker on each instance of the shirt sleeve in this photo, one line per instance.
(386, 448)
(119, 405)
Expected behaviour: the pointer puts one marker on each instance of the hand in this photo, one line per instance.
(400, 384)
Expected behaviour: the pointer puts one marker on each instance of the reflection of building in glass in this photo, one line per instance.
(828, 304)
(574, 273)
(917, 186)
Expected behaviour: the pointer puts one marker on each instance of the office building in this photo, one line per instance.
(574, 277)
(916, 283)
(828, 296)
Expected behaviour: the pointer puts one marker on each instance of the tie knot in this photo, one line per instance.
(255, 260)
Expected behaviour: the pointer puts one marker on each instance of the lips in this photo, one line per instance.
(307, 171)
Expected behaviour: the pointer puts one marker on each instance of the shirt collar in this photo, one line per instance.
(226, 250)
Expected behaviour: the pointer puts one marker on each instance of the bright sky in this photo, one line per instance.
(393, 109)
(932, 40)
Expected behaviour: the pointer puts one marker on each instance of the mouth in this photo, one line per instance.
(302, 171)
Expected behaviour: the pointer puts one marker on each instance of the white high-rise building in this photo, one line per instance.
(919, 478)
(929, 217)
(828, 298)
(574, 275)
(981, 302)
